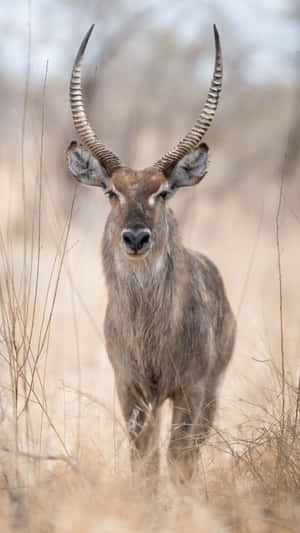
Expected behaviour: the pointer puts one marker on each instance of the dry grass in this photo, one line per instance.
(63, 448)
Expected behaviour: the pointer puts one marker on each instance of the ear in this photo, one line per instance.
(190, 169)
(85, 168)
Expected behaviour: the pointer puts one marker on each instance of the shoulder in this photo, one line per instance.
(201, 262)
(204, 271)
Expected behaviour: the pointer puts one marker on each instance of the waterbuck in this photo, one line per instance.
(169, 328)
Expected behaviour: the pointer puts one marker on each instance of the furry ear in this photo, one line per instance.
(190, 169)
(85, 168)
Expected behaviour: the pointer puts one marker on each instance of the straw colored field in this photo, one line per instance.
(63, 446)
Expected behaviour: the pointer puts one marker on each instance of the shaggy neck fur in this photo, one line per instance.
(146, 298)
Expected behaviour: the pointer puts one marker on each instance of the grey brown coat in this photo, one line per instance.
(169, 328)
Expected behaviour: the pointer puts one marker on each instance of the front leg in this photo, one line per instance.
(193, 414)
(142, 422)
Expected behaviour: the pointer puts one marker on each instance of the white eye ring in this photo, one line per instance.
(113, 192)
(161, 192)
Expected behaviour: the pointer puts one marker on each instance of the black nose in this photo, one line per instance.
(135, 241)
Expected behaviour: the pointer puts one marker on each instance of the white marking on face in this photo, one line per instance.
(151, 200)
(119, 194)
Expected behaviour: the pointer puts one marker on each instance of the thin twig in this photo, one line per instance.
(281, 296)
(297, 410)
(37, 457)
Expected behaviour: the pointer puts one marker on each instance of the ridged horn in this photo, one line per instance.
(86, 133)
(193, 138)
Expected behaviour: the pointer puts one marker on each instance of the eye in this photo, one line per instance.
(111, 194)
(163, 194)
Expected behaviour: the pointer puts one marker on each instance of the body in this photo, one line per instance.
(169, 334)
(169, 328)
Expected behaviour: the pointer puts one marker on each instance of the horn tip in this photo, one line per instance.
(84, 43)
(216, 33)
(91, 29)
(88, 34)
(217, 44)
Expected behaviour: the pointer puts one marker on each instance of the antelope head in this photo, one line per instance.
(138, 198)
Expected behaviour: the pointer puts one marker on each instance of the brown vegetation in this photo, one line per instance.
(64, 451)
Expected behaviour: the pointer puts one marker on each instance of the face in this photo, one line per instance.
(138, 217)
(137, 225)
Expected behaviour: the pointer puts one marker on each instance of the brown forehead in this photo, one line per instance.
(145, 181)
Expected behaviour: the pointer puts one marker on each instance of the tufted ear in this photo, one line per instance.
(85, 168)
(190, 169)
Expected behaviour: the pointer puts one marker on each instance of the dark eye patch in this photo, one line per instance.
(111, 194)
(163, 194)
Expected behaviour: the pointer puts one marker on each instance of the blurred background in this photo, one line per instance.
(146, 74)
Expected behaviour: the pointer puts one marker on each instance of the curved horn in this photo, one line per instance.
(86, 133)
(193, 138)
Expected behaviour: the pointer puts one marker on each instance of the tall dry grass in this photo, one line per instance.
(63, 447)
